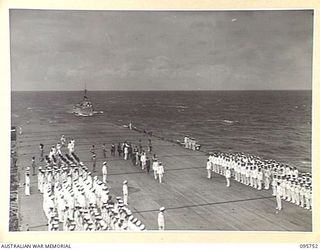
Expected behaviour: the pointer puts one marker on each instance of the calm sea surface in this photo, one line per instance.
(271, 124)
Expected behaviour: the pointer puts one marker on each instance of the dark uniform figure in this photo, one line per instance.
(149, 145)
(41, 152)
(113, 149)
(119, 149)
(148, 164)
(92, 149)
(104, 151)
(140, 146)
(94, 161)
(33, 165)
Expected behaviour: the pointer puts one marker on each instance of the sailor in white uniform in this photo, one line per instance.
(260, 178)
(155, 166)
(125, 192)
(27, 182)
(160, 171)
(161, 223)
(104, 172)
(143, 160)
(209, 168)
(278, 196)
(228, 176)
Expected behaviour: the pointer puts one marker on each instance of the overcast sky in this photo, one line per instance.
(123, 50)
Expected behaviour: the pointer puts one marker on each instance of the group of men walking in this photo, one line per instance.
(287, 182)
(142, 157)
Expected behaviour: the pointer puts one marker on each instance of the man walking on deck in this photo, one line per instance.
(155, 165)
(160, 171)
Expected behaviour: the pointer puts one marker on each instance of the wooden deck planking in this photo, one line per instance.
(193, 202)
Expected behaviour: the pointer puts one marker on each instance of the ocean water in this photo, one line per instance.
(270, 124)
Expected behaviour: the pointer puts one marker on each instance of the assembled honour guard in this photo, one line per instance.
(161, 218)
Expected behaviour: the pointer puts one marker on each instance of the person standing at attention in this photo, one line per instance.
(104, 151)
(33, 165)
(119, 149)
(27, 183)
(278, 196)
(125, 192)
(209, 168)
(104, 172)
(94, 161)
(228, 176)
(161, 218)
(41, 152)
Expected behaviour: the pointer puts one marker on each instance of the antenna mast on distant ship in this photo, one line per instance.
(85, 90)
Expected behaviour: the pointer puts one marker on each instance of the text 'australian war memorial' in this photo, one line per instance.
(224, 147)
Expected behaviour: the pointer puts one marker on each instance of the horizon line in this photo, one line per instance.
(156, 90)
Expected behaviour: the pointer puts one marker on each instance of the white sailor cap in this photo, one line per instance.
(142, 227)
(162, 209)
(104, 163)
(125, 182)
(138, 223)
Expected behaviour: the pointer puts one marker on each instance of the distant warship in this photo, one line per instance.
(85, 107)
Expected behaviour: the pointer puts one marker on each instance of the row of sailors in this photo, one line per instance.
(84, 193)
(297, 191)
(190, 143)
(253, 171)
(92, 220)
